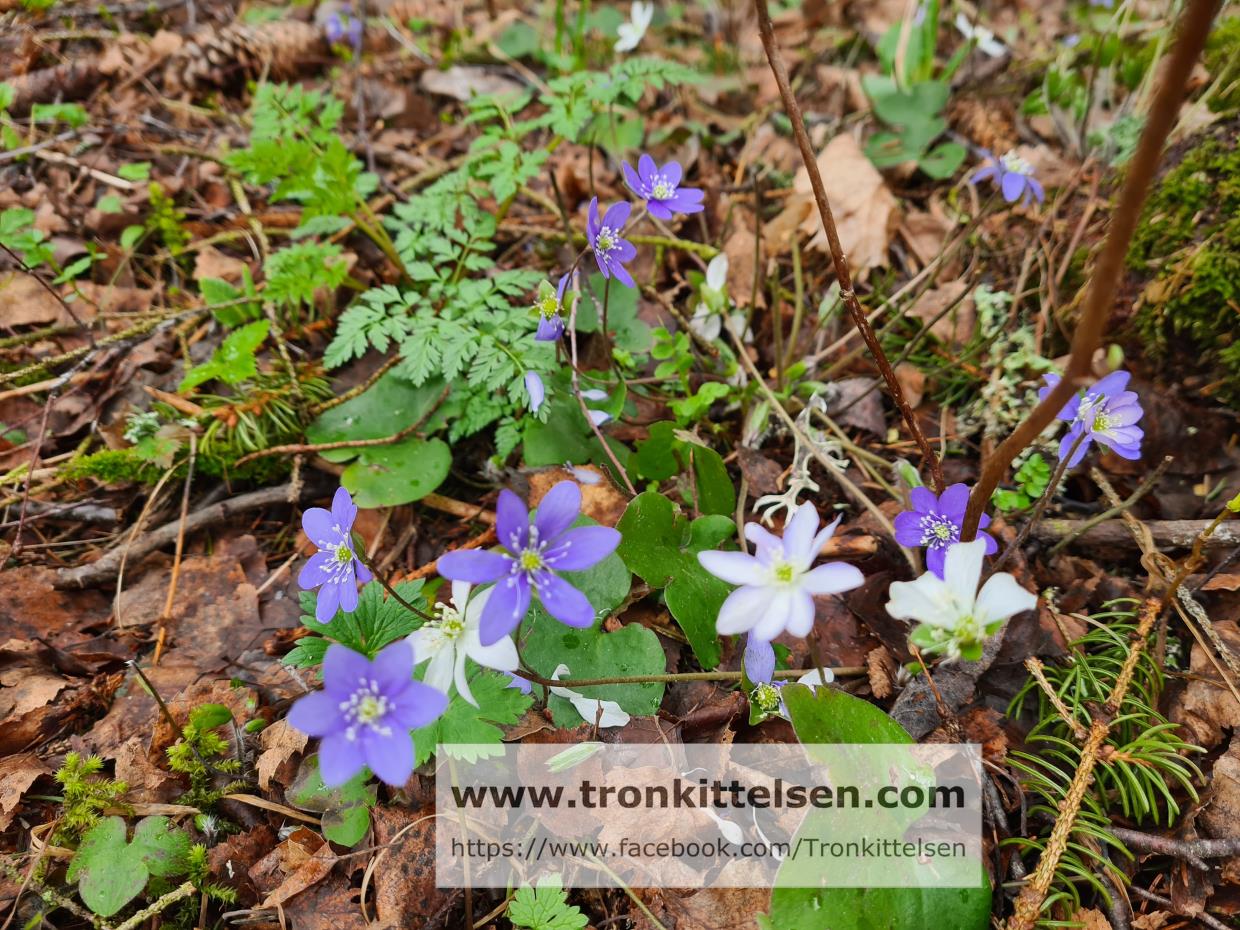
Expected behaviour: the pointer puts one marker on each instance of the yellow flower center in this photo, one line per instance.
(784, 572)
(606, 240)
(344, 555)
(530, 560)
(370, 709)
(661, 190)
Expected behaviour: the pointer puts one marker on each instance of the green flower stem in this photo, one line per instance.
(841, 671)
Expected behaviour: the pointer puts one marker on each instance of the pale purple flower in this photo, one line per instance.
(660, 188)
(610, 250)
(548, 307)
(365, 713)
(1106, 412)
(535, 389)
(935, 521)
(1013, 175)
(530, 559)
(335, 569)
(778, 582)
(759, 660)
(342, 27)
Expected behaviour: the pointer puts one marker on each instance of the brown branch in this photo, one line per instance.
(842, 274)
(1166, 534)
(1103, 284)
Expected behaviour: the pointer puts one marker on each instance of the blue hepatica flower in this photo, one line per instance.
(1013, 175)
(934, 522)
(1106, 412)
(660, 188)
(343, 28)
(335, 569)
(529, 560)
(365, 713)
(549, 306)
(610, 250)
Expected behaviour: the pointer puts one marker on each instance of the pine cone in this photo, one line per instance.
(989, 123)
(218, 57)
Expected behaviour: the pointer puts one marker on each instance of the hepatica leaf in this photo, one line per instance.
(661, 545)
(393, 403)
(111, 871)
(388, 476)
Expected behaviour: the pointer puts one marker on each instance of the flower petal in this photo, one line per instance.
(617, 215)
(672, 173)
(438, 674)
(935, 557)
(319, 528)
(344, 670)
(344, 511)
(391, 759)
(646, 168)
(393, 666)
(348, 592)
(505, 609)
(592, 221)
(1113, 383)
(780, 608)
(318, 713)
(474, 565)
(1001, 597)
(512, 522)
(327, 602)
(800, 613)
(926, 599)
(742, 610)
(908, 528)
(1012, 185)
(953, 501)
(734, 567)
(759, 660)
(963, 569)
(558, 509)
(582, 547)
(419, 705)
(316, 571)
(563, 601)
(631, 178)
(339, 759)
(459, 677)
(799, 535)
(501, 655)
(923, 500)
(832, 578)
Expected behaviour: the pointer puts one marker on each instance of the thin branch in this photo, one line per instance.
(842, 274)
(1193, 26)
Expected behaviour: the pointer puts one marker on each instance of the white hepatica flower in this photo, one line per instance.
(956, 618)
(454, 637)
(985, 39)
(778, 582)
(612, 716)
(631, 33)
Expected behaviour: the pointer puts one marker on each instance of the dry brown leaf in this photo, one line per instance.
(212, 263)
(716, 908)
(147, 781)
(1206, 706)
(864, 208)
(1155, 920)
(405, 891)
(912, 382)
(601, 501)
(464, 82)
(1092, 919)
(925, 232)
(280, 743)
(742, 267)
(26, 302)
(951, 309)
(17, 774)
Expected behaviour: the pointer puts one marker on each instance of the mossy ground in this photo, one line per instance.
(1187, 254)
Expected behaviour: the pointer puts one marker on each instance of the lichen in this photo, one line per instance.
(1186, 254)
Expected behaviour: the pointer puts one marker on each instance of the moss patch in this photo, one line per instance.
(1187, 251)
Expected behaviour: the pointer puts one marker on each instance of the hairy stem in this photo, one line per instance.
(1193, 26)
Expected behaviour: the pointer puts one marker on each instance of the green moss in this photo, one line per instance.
(124, 466)
(1186, 254)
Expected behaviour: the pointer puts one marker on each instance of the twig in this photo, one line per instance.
(1194, 25)
(1194, 852)
(1123, 507)
(1029, 903)
(353, 392)
(387, 586)
(842, 273)
(158, 907)
(1212, 922)
(166, 615)
(840, 671)
(299, 448)
(107, 566)
(1166, 534)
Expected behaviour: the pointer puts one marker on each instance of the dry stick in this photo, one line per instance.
(1194, 852)
(1123, 507)
(299, 448)
(1029, 903)
(1101, 291)
(842, 273)
(166, 615)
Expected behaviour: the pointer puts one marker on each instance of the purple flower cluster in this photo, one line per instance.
(1107, 413)
(935, 522)
(530, 558)
(365, 713)
(335, 569)
(343, 28)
